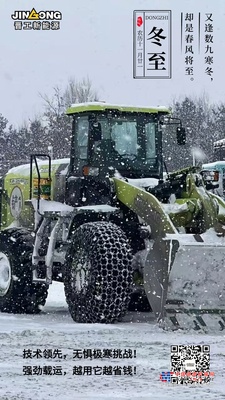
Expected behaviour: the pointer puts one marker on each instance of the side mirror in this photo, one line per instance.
(181, 135)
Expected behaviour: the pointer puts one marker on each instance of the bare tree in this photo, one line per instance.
(79, 92)
(54, 106)
(75, 92)
(57, 123)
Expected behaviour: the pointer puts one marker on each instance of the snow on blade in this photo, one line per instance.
(144, 182)
(174, 208)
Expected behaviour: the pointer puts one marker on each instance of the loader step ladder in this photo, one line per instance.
(40, 187)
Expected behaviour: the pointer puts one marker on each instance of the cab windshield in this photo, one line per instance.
(132, 139)
(131, 135)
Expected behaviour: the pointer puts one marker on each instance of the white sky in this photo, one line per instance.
(96, 39)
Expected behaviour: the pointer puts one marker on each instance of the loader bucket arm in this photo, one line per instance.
(161, 257)
(184, 273)
(143, 204)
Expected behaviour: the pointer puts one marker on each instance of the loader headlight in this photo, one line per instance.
(90, 171)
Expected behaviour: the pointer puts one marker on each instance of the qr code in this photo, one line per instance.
(190, 358)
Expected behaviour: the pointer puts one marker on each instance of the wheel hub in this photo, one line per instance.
(5, 274)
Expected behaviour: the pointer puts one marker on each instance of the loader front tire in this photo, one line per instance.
(98, 273)
(18, 294)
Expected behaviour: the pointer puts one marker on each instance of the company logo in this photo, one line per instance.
(16, 202)
(34, 15)
(139, 21)
(165, 376)
(45, 20)
(180, 377)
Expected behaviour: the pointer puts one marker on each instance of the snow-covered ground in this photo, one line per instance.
(54, 329)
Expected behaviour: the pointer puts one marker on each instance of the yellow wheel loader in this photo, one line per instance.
(109, 225)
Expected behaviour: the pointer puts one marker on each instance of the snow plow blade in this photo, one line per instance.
(184, 273)
(188, 290)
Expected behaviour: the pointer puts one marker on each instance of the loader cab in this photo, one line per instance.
(216, 169)
(109, 140)
(123, 140)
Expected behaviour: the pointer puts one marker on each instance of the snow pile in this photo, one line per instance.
(214, 165)
(54, 329)
(144, 182)
(175, 208)
(51, 206)
(24, 169)
(118, 106)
